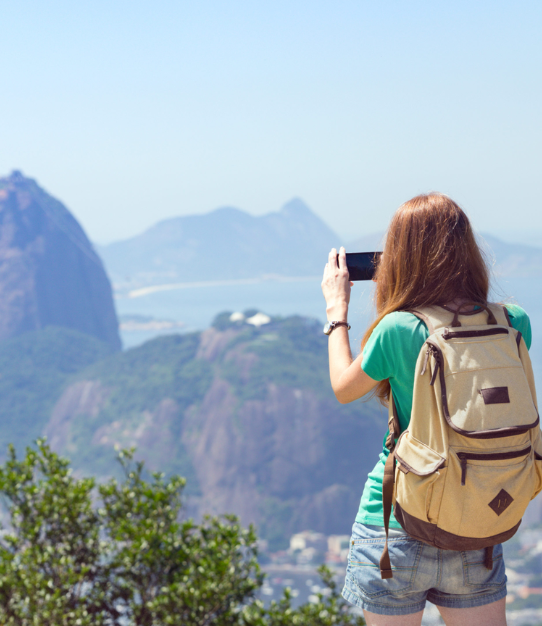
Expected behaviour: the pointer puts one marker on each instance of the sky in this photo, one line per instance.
(132, 112)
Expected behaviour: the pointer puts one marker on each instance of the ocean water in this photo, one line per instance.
(197, 306)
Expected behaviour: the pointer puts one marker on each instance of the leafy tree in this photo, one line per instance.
(330, 609)
(168, 571)
(51, 570)
(74, 553)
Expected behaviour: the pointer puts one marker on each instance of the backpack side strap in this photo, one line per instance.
(393, 426)
(388, 483)
(488, 560)
(387, 495)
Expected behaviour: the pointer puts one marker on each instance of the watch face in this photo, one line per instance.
(327, 328)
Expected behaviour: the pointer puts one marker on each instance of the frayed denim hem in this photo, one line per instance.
(467, 601)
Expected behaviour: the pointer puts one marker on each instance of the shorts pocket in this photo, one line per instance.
(475, 573)
(364, 569)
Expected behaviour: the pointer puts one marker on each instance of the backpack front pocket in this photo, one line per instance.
(484, 392)
(419, 478)
(486, 494)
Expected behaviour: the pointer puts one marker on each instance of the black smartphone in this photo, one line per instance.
(361, 265)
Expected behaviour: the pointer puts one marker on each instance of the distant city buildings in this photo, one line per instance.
(309, 548)
(338, 547)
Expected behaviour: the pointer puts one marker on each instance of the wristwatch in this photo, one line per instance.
(330, 327)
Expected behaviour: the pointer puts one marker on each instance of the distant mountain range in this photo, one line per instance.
(224, 244)
(230, 244)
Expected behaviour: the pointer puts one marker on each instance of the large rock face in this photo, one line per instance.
(50, 274)
(246, 414)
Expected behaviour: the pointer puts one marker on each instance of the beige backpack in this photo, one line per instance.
(461, 476)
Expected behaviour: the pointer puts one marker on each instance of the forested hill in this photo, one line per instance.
(245, 413)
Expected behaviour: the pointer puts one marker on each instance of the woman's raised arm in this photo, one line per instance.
(348, 380)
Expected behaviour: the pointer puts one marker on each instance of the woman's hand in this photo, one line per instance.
(336, 286)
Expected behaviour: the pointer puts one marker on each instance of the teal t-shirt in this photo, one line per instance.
(391, 353)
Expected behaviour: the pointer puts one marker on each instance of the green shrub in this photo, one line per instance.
(75, 553)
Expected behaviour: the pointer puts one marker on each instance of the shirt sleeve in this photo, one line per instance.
(378, 354)
(520, 321)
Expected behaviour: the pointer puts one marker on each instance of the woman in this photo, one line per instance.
(430, 258)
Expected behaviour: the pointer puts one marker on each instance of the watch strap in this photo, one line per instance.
(334, 325)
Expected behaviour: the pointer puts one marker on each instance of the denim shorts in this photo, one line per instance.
(420, 573)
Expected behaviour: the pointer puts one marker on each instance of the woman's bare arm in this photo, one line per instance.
(348, 380)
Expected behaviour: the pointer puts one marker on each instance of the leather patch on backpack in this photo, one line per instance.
(501, 501)
(495, 395)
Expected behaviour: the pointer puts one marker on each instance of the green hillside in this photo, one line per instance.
(138, 380)
(291, 352)
(34, 368)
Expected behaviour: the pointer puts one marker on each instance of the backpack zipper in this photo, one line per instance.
(452, 334)
(496, 456)
(431, 349)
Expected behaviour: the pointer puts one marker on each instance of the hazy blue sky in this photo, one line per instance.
(132, 111)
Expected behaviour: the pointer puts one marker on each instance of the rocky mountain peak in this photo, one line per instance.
(16, 176)
(50, 274)
(297, 207)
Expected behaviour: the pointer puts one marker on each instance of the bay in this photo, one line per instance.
(197, 306)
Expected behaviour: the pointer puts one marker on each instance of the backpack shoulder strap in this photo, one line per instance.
(423, 317)
(507, 316)
(437, 317)
(434, 317)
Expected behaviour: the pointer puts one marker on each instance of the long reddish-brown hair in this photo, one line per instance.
(430, 257)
